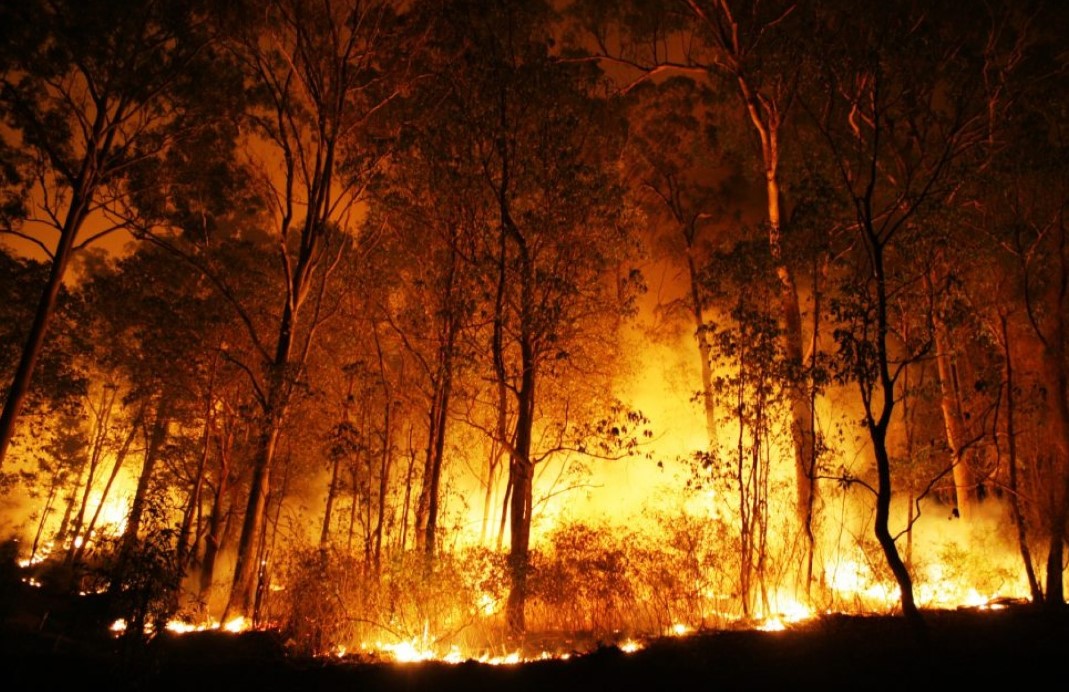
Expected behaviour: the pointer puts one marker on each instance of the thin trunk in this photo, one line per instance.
(185, 545)
(1011, 449)
(153, 446)
(403, 545)
(81, 200)
(878, 434)
(120, 457)
(332, 492)
(704, 349)
(954, 422)
(100, 433)
(497, 451)
(441, 424)
(385, 461)
(214, 536)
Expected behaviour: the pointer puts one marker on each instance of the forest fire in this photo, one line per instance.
(449, 331)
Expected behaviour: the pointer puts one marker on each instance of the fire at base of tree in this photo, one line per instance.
(432, 330)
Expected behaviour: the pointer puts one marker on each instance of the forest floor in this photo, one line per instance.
(60, 650)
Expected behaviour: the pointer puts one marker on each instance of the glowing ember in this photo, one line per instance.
(630, 646)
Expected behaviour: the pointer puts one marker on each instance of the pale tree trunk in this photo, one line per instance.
(704, 349)
(965, 494)
(765, 119)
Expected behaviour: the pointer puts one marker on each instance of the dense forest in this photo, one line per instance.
(438, 324)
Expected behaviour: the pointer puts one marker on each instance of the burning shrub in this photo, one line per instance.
(581, 583)
(323, 588)
(334, 601)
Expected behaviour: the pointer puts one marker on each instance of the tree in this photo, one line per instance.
(757, 52)
(685, 175)
(320, 71)
(88, 90)
(900, 134)
(544, 150)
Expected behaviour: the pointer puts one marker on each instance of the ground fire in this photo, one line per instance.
(447, 332)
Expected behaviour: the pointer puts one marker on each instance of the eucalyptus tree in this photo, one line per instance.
(756, 51)
(679, 158)
(542, 149)
(903, 117)
(88, 90)
(318, 72)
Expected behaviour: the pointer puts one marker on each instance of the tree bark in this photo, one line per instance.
(965, 494)
(1011, 450)
(81, 199)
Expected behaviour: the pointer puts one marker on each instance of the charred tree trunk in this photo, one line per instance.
(153, 445)
(877, 426)
(521, 472)
(1011, 450)
(81, 200)
(120, 457)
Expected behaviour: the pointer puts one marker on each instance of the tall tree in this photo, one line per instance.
(756, 50)
(88, 90)
(544, 151)
(901, 134)
(320, 71)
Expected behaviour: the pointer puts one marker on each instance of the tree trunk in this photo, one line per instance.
(243, 589)
(328, 512)
(704, 350)
(878, 434)
(1058, 508)
(154, 444)
(120, 457)
(965, 494)
(81, 197)
(767, 124)
(521, 471)
(1011, 450)
(214, 536)
(385, 461)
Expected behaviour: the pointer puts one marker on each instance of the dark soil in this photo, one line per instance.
(1017, 644)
